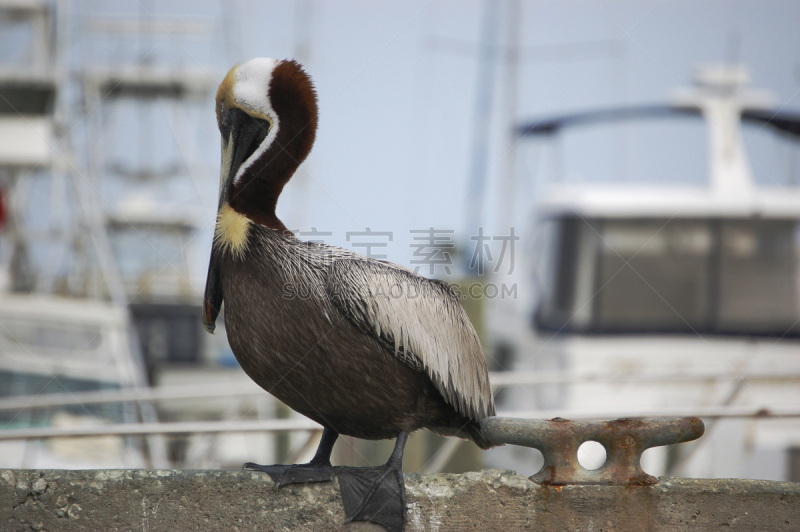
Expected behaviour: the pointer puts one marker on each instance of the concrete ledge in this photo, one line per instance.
(126, 500)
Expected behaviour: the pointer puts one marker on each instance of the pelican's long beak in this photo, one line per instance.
(241, 136)
(212, 299)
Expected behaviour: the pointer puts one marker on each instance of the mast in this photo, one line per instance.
(27, 134)
(721, 95)
(482, 117)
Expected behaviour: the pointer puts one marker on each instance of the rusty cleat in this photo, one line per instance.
(624, 440)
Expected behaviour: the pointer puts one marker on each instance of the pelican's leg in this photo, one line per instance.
(319, 469)
(377, 494)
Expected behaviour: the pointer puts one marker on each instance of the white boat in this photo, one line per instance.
(655, 297)
(65, 346)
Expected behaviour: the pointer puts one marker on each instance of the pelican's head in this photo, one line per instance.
(267, 116)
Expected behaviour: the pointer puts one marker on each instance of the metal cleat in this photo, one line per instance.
(624, 440)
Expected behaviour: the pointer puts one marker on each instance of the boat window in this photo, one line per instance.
(723, 276)
(14, 383)
(758, 275)
(38, 335)
(653, 274)
(168, 333)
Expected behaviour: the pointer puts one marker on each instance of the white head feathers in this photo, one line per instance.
(249, 85)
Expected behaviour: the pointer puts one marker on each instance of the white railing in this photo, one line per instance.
(174, 428)
(306, 425)
(499, 381)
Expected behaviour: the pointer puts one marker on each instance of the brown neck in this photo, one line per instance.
(257, 198)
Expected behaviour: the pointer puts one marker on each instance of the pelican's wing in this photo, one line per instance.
(421, 322)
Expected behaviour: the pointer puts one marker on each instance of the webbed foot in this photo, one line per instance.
(376, 494)
(319, 469)
(294, 474)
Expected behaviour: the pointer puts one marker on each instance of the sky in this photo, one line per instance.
(398, 85)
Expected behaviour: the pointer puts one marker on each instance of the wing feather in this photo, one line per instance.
(421, 322)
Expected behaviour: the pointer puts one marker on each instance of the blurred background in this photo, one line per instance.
(611, 186)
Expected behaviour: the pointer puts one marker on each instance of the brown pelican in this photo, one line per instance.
(364, 347)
